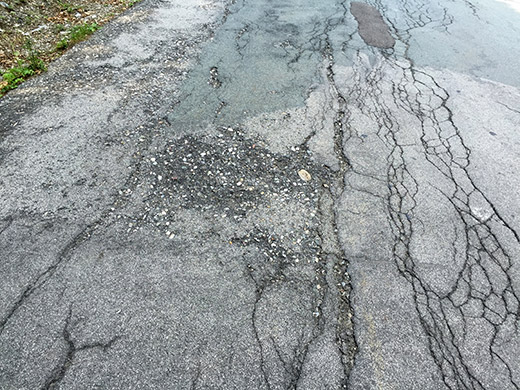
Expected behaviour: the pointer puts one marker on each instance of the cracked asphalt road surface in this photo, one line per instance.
(226, 194)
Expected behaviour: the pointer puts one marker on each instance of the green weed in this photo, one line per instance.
(70, 8)
(77, 34)
(36, 63)
(18, 74)
(59, 28)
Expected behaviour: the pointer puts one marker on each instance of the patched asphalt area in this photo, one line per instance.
(248, 196)
(227, 174)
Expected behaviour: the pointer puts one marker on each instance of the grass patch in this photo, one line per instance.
(13, 77)
(35, 32)
(70, 8)
(77, 34)
(131, 3)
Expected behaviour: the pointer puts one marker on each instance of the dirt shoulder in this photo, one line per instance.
(35, 32)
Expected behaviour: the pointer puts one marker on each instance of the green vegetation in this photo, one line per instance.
(17, 74)
(70, 8)
(77, 34)
(131, 3)
(59, 28)
(35, 32)
(23, 70)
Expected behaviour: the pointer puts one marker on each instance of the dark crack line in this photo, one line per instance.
(71, 349)
(7, 222)
(509, 108)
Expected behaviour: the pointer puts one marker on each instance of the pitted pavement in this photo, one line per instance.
(230, 195)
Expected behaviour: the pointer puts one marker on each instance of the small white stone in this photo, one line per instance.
(304, 175)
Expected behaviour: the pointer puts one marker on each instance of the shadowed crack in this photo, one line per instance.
(80, 238)
(71, 349)
(345, 336)
(43, 277)
(145, 128)
(337, 104)
(5, 223)
(509, 108)
(229, 176)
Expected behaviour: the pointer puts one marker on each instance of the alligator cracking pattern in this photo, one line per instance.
(485, 287)
(268, 266)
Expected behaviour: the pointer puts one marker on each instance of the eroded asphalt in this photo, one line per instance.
(267, 195)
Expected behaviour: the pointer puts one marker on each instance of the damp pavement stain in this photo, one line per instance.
(269, 195)
(372, 28)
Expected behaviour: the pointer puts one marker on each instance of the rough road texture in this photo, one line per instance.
(233, 194)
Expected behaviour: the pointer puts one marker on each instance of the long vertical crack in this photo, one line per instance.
(345, 334)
